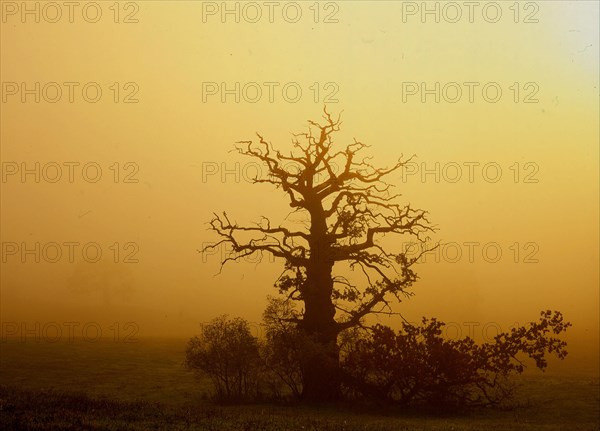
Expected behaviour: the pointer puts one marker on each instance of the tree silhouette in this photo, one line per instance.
(350, 208)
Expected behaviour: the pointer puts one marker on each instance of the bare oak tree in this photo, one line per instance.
(349, 208)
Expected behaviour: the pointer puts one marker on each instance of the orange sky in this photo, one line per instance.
(165, 161)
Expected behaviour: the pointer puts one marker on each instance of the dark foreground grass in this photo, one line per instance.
(55, 410)
(143, 386)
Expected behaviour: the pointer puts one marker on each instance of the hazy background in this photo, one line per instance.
(177, 140)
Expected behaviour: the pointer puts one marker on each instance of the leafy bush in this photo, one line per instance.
(229, 354)
(417, 366)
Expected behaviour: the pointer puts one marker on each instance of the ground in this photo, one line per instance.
(143, 385)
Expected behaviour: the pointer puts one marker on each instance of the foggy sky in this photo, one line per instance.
(174, 165)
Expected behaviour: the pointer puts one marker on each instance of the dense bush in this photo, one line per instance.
(229, 354)
(417, 366)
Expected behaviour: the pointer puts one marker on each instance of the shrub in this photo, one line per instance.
(229, 354)
(417, 366)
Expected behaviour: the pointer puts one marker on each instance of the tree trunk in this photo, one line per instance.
(320, 361)
(320, 370)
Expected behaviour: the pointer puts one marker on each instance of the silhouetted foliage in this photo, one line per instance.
(347, 208)
(417, 366)
(229, 354)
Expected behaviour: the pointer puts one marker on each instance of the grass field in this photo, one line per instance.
(143, 385)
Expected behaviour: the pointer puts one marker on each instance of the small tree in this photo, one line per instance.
(229, 354)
